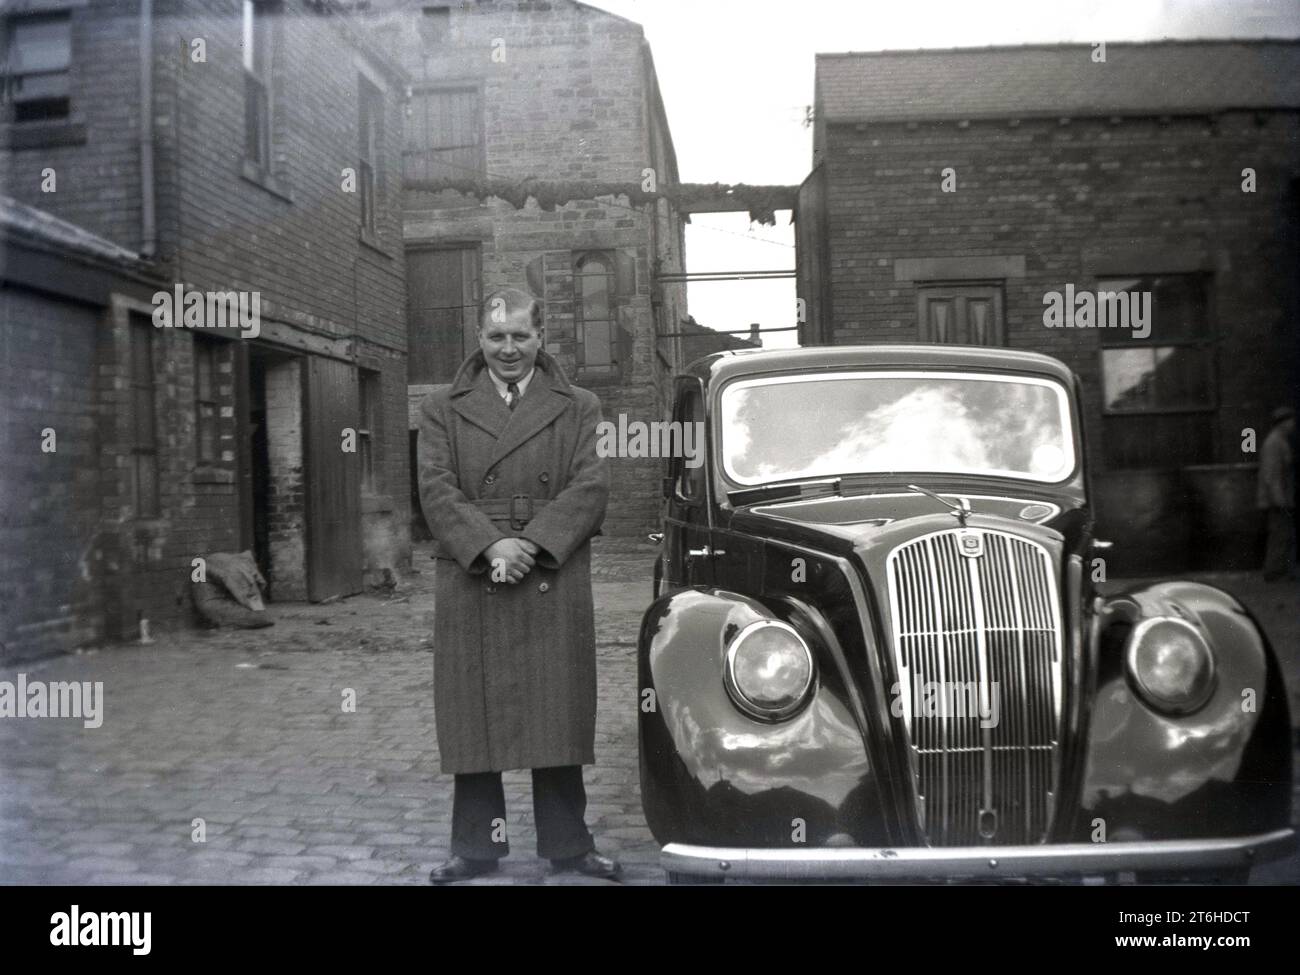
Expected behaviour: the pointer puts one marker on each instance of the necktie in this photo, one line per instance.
(512, 395)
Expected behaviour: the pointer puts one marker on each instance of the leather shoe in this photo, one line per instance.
(591, 864)
(461, 868)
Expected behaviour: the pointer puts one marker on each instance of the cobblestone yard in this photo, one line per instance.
(246, 731)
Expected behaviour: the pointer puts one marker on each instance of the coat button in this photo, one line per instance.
(490, 479)
(489, 589)
(544, 587)
(544, 477)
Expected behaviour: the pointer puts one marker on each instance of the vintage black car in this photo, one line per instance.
(877, 648)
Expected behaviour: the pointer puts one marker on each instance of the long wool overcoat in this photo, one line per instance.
(514, 664)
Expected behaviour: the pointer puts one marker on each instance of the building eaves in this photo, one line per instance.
(1137, 78)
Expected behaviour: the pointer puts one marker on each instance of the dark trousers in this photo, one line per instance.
(559, 808)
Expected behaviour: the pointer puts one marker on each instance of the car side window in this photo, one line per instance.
(690, 480)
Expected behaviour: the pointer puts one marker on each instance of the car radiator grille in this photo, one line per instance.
(977, 644)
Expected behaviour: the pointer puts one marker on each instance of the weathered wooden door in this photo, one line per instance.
(961, 314)
(442, 296)
(332, 478)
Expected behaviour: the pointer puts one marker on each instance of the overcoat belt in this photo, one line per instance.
(514, 665)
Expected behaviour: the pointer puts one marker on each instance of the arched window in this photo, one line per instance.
(595, 314)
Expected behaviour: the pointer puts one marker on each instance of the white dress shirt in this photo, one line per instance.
(503, 386)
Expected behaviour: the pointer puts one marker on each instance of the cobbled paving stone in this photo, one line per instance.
(225, 757)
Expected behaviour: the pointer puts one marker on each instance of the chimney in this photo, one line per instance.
(753, 334)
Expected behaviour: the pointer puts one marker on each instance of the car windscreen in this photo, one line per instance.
(778, 428)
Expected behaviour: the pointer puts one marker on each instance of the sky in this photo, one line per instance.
(737, 77)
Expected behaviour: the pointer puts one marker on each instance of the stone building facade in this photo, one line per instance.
(954, 191)
(555, 93)
(233, 149)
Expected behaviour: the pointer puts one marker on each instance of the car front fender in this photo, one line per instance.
(712, 774)
(1220, 771)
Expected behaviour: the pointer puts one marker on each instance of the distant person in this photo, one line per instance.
(1276, 495)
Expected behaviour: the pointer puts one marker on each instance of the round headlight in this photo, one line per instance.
(1171, 665)
(769, 670)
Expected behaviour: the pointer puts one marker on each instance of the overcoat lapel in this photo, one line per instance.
(475, 398)
(530, 418)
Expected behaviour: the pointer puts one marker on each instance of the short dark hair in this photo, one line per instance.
(511, 301)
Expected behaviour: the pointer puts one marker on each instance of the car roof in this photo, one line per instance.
(721, 366)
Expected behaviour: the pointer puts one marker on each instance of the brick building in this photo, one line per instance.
(952, 191)
(559, 93)
(224, 148)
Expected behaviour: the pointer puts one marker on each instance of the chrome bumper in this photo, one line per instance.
(1054, 860)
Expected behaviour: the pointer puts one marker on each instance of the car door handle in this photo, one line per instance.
(704, 553)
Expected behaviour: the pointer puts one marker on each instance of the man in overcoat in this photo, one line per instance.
(513, 489)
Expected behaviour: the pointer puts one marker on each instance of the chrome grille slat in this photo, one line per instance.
(977, 623)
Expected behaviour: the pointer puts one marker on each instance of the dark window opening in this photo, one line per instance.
(143, 438)
(366, 432)
(370, 129)
(435, 25)
(256, 45)
(207, 412)
(961, 314)
(595, 313)
(690, 480)
(444, 134)
(37, 67)
(1158, 388)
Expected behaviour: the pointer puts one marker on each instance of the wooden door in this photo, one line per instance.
(333, 483)
(442, 298)
(961, 314)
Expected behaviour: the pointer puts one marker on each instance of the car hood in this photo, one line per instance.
(862, 518)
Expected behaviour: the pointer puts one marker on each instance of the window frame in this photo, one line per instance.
(210, 350)
(369, 409)
(613, 303)
(685, 479)
(1123, 339)
(962, 290)
(435, 25)
(140, 332)
(370, 138)
(446, 89)
(258, 37)
(10, 79)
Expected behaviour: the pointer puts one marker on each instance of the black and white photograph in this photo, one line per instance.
(632, 443)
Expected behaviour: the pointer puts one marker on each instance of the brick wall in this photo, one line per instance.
(295, 238)
(1062, 196)
(1069, 198)
(88, 565)
(148, 560)
(286, 512)
(49, 504)
(570, 101)
(95, 155)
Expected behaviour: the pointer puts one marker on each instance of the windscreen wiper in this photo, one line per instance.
(784, 492)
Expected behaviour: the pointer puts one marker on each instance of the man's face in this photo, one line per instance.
(510, 346)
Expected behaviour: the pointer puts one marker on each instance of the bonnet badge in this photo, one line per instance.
(970, 543)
